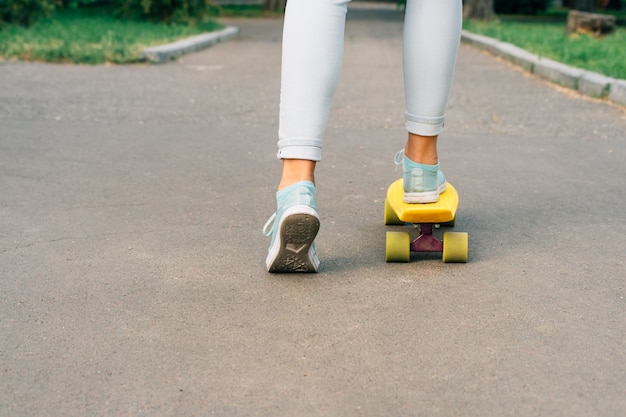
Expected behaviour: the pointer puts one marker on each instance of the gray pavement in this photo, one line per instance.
(131, 255)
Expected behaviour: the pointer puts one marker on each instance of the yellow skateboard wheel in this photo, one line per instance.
(398, 247)
(390, 216)
(455, 245)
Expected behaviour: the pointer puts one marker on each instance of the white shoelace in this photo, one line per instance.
(397, 159)
(267, 230)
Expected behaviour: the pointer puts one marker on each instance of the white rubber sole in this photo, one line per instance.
(293, 249)
(425, 197)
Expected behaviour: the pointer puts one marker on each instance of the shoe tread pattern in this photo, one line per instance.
(297, 233)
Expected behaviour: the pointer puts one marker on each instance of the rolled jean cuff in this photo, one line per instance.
(309, 149)
(424, 126)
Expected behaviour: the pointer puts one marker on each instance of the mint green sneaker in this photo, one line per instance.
(422, 183)
(293, 229)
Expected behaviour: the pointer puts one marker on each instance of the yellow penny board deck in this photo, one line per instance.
(442, 211)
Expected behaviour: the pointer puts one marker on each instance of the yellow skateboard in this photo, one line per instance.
(424, 217)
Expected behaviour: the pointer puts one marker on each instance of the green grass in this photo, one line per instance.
(243, 10)
(90, 36)
(603, 55)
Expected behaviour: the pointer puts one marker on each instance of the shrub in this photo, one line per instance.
(520, 6)
(75, 4)
(169, 11)
(24, 12)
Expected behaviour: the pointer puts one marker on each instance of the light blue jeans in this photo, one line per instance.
(313, 40)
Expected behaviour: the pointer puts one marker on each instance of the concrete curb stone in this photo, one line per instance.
(518, 56)
(617, 92)
(586, 82)
(164, 53)
(482, 42)
(594, 85)
(559, 73)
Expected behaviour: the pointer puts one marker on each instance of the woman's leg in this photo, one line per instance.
(313, 39)
(312, 54)
(432, 31)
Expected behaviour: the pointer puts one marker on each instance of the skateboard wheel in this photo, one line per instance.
(390, 216)
(398, 247)
(455, 246)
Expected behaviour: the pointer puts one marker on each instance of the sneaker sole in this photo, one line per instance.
(295, 253)
(425, 197)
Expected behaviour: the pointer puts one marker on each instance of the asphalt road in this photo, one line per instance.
(132, 279)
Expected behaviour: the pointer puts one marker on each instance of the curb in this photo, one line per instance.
(585, 82)
(168, 52)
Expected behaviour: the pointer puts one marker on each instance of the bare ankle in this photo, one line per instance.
(422, 149)
(296, 170)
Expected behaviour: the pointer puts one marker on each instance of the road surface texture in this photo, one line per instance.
(132, 260)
